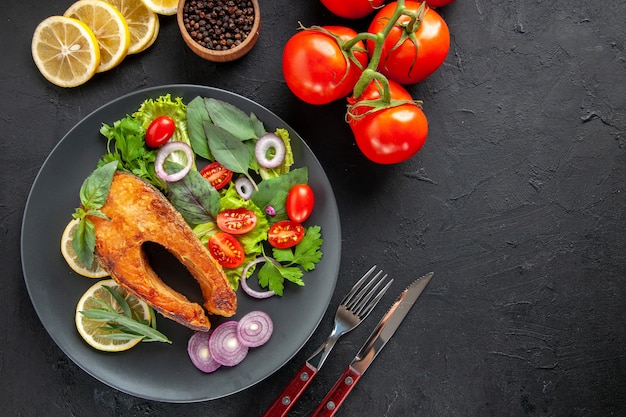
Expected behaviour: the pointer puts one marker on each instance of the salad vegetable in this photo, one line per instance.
(246, 173)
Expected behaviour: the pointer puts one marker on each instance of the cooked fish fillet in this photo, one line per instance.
(140, 213)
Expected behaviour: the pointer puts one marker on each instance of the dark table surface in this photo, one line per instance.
(516, 202)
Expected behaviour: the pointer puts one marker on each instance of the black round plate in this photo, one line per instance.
(160, 371)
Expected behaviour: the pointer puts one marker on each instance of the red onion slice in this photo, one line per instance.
(255, 329)
(200, 354)
(266, 143)
(225, 346)
(244, 188)
(165, 151)
(244, 284)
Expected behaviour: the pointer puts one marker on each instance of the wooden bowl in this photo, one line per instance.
(221, 55)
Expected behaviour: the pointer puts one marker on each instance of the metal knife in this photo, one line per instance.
(372, 347)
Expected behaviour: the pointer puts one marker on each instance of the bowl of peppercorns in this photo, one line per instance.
(219, 30)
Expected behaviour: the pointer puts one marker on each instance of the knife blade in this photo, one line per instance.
(381, 334)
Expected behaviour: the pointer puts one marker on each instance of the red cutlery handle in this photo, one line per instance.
(338, 393)
(282, 404)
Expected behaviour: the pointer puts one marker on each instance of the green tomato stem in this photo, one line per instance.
(371, 72)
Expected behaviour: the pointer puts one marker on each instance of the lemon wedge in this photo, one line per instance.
(109, 27)
(65, 51)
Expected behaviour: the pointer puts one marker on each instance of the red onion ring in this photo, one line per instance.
(164, 152)
(264, 144)
(255, 329)
(225, 345)
(244, 188)
(244, 285)
(200, 354)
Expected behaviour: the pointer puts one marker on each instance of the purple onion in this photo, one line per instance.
(200, 354)
(255, 329)
(225, 346)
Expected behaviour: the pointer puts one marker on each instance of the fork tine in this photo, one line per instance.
(363, 292)
(364, 309)
(357, 286)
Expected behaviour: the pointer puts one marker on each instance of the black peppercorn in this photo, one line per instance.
(210, 23)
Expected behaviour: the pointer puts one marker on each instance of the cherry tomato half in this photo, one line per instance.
(160, 131)
(226, 250)
(300, 202)
(217, 175)
(352, 9)
(285, 234)
(236, 221)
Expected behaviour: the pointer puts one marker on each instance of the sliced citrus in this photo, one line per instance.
(109, 26)
(164, 7)
(154, 36)
(91, 330)
(142, 22)
(65, 51)
(67, 249)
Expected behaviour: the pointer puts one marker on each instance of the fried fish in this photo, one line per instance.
(138, 213)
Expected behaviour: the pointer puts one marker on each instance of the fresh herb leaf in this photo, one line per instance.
(230, 151)
(197, 115)
(84, 241)
(95, 188)
(273, 191)
(126, 144)
(194, 198)
(120, 323)
(233, 119)
(93, 195)
(273, 277)
(121, 301)
(307, 253)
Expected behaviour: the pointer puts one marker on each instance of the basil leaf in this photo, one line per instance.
(197, 114)
(231, 152)
(273, 191)
(194, 198)
(95, 188)
(84, 241)
(231, 119)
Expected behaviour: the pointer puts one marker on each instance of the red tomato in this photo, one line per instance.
(217, 175)
(300, 202)
(226, 250)
(315, 67)
(352, 9)
(412, 61)
(236, 221)
(285, 234)
(439, 3)
(160, 131)
(390, 135)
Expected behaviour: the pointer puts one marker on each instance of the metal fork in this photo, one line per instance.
(352, 310)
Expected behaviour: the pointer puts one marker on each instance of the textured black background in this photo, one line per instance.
(516, 202)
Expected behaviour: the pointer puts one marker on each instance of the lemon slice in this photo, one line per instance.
(164, 7)
(65, 51)
(91, 331)
(92, 271)
(109, 26)
(142, 23)
(154, 36)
